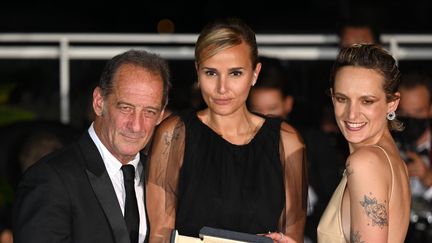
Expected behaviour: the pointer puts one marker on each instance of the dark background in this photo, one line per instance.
(32, 86)
(300, 16)
(35, 82)
(29, 89)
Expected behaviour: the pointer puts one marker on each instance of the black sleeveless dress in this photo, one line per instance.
(228, 186)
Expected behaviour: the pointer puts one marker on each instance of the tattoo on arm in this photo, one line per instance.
(348, 170)
(377, 212)
(355, 237)
(167, 137)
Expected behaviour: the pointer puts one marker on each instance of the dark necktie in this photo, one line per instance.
(131, 214)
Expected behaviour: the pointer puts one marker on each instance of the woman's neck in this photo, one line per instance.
(237, 128)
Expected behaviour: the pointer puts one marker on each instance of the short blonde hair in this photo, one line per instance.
(222, 34)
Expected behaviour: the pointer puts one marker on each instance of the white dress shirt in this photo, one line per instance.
(113, 167)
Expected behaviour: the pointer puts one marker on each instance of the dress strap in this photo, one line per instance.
(391, 168)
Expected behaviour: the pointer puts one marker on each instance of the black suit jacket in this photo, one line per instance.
(68, 197)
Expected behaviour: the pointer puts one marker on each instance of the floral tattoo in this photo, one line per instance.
(377, 212)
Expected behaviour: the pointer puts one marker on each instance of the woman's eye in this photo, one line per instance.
(210, 73)
(236, 73)
(340, 99)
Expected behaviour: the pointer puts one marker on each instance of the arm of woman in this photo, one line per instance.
(369, 185)
(293, 160)
(163, 168)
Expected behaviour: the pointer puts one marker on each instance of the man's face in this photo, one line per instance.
(267, 101)
(414, 111)
(126, 118)
(414, 102)
(353, 35)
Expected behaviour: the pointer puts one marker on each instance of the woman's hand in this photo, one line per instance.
(278, 237)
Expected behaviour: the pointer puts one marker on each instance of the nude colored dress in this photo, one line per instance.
(330, 225)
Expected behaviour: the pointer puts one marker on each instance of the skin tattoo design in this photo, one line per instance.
(375, 211)
(168, 138)
(348, 170)
(355, 237)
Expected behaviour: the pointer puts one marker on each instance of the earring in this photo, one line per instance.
(391, 116)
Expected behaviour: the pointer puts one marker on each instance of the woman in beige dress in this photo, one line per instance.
(372, 201)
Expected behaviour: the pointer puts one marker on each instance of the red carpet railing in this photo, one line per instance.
(66, 47)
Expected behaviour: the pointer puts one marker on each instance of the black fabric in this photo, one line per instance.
(68, 197)
(131, 213)
(228, 186)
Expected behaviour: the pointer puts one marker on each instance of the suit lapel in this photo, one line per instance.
(102, 186)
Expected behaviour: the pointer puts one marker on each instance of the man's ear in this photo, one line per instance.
(288, 104)
(98, 101)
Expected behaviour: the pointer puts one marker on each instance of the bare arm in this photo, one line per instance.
(369, 185)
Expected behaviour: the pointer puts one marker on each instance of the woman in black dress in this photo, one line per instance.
(224, 166)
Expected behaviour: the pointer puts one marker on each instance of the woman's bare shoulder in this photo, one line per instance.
(368, 162)
(371, 155)
(171, 125)
(291, 138)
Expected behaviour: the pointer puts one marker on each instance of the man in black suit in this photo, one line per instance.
(78, 194)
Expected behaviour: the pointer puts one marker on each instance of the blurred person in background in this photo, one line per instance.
(357, 32)
(6, 236)
(270, 95)
(27, 142)
(36, 146)
(414, 142)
